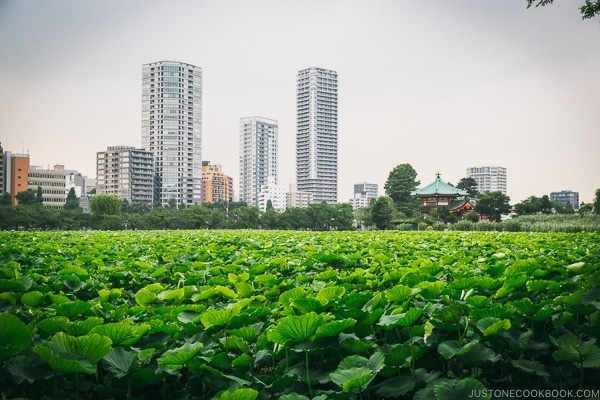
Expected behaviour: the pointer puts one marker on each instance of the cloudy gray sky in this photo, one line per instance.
(442, 85)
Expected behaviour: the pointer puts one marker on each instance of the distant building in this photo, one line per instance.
(360, 200)
(440, 194)
(296, 198)
(74, 180)
(52, 182)
(488, 178)
(276, 194)
(172, 129)
(2, 172)
(17, 170)
(566, 197)
(363, 193)
(317, 134)
(258, 156)
(216, 186)
(125, 172)
(370, 189)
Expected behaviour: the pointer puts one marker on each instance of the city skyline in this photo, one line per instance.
(440, 86)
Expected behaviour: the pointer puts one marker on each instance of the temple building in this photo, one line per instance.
(441, 194)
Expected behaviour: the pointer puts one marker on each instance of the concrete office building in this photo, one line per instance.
(317, 134)
(172, 129)
(488, 178)
(370, 189)
(258, 156)
(566, 197)
(52, 182)
(127, 173)
(216, 186)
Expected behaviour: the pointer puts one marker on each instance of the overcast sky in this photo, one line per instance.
(441, 85)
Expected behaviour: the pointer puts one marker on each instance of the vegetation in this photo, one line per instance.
(297, 315)
(588, 10)
(401, 181)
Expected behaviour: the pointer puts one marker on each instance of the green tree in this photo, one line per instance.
(545, 205)
(39, 198)
(72, 201)
(596, 203)
(531, 205)
(588, 10)
(5, 199)
(493, 205)
(401, 181)
(26, 197)
(269, 205)
(470, 185)
(106, 212)
(383, 212)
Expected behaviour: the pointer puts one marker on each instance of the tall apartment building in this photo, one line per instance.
(488, 178)
(565, 197)
(172, 129)
(258, 156)
(216, 186)
(125, 172)
(316, 136)
(16, 172)
(52, 182)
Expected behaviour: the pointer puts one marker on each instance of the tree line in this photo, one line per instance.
(395, 210)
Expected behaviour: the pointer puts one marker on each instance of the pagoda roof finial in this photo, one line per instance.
(438, 174)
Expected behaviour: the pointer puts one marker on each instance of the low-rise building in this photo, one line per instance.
(52, 182)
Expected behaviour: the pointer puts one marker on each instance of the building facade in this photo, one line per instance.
(360, 200)
(317, 134)
(298, 199)
(370, 189)
(17, 170)
(216, 186)
(172, 129)
(276, 194)
(127, 173)
(566, 197)
(488, 178)
(52, 182)
(258, 156)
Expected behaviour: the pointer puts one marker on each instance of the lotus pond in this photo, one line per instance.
(297, 315)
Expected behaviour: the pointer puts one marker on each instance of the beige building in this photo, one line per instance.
(296, 198)
(125, 172)
(216, 186)
(52, 182)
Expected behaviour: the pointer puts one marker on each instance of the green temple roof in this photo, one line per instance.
(438, 188)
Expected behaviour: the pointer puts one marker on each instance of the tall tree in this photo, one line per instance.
(106, 212)
(596, 203)
(72, 201)
(401, 181)
(470, 185)
(39, 198)
(383, 212)
(493, 205)
(26, 197)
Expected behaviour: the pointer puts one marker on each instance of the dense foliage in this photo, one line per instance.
(297, 315)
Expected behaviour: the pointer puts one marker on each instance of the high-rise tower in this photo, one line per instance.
(258, 156)
(316, 136)
(172, 129)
